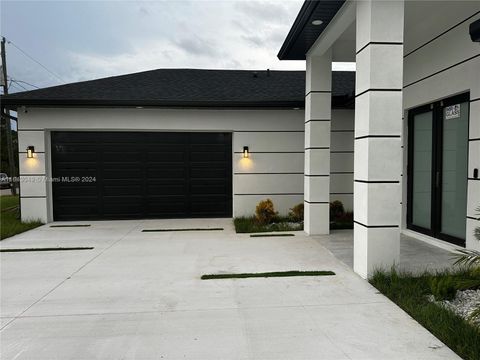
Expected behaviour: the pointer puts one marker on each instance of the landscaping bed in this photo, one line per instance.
(266, 219)
(251, 225)
(10, 218)
(433, 301)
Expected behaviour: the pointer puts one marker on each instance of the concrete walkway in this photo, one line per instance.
(138, 295)
(415, 256)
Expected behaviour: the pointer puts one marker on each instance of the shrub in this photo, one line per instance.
(336, 210)
(443, 288)
(265, 212)
(296, 213)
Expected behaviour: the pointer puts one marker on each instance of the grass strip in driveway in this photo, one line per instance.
(47, 249)
(270, 235)
(180, 229)
(267, 274)
(68, 226)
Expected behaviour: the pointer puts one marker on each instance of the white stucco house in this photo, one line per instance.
(417, 119)
(398, 141)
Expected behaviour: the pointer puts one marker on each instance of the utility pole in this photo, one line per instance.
(8, 126)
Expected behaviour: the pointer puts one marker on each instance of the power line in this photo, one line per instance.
(33, 59)
(19, 85)
(24, 82)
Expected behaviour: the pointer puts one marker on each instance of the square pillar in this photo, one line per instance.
(33, 176)
(318, 100)
(378, 129)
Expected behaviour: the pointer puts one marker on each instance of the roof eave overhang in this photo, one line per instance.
(303, 35)
(300, 21)
(14, 104)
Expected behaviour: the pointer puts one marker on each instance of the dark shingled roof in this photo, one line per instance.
(186, 88)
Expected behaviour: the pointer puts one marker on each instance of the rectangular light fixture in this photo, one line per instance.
(245, 151)
(30, 151)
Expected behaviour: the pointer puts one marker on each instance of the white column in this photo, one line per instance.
(33, 181)
(317, 143)
(378, 128)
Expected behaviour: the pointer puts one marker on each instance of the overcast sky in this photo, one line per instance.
(82, 40)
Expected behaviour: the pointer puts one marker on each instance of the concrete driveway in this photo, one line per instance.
(138, 295)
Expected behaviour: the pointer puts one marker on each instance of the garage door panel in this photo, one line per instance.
(142, 175)
(126, 172)
(125, 190)
(71, 157)
(208, 173)
(166, 158)
(166, 189)
(120, 157)
(173, 173)
(85, 190)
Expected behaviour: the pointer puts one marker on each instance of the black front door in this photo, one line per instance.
(438, 169)
(131, 175)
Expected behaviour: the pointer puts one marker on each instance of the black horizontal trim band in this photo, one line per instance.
(375, 226)
(270, 152)
(32, 175)
(313, 175)
(440, 71)
(36, 152)
(378, 181)
(341, 172)
(268, 131)
(342, 152)
(368, 90)
(378, 43)
(12, 102)
(340, 193)
(475, 139)
(268, 194)
(314, 120)
(378, 136)
(33, 197)
(272, 173)
(340, 131)
(473, 179)
(316, 202)
(441, 34)
(473, 218)
(318, 92)
(40, 130)
(318, 148)
(477, 99)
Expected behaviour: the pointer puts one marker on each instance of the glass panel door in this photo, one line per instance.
(422, 170)
(454, 170)
(438, 169)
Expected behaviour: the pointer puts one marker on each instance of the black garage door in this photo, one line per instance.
(132, 175)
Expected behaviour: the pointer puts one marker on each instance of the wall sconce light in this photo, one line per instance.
(30, 151)
(245, 151)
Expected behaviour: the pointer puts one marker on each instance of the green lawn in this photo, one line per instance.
(10, 223)
(410, 293)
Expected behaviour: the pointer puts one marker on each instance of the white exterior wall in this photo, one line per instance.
(275, 139)
(447, 65)
(341, 157)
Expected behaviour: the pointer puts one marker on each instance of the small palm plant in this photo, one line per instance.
(471, 259)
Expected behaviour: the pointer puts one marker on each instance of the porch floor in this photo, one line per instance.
(415, 255)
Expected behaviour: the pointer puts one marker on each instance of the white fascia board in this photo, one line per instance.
(340, 22)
